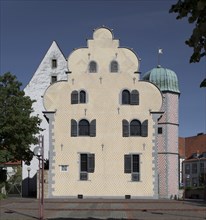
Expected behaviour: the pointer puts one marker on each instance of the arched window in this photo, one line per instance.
(74, 97)
(92, 67)
(73, 128)
(84, 129)
(114, 67)
(125, 128)
(135, 128)
(144, 129)
(134, 99)
(125, 97)
(82, 97)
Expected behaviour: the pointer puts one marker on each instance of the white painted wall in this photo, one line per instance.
(35, 89)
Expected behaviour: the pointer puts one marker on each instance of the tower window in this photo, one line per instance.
(54, 63)
(159, 130)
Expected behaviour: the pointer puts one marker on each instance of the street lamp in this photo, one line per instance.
(39, 153)
(28, 169)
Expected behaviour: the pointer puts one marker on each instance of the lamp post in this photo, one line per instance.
(28, 169)
(39, 153)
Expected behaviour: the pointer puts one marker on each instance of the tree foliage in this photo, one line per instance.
(17, 127)
(195, 10)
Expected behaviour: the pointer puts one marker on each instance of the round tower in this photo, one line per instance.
(167, 131)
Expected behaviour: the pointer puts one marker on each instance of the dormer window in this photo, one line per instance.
(114, 67)
(54, 63)
(92, 67)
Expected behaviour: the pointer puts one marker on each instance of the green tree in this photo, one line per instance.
(17, 127)
(195, 10)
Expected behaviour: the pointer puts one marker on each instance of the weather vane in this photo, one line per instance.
(160, 51)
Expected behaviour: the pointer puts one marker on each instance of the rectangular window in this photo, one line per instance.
(194, 181)
(53, 79)
(202, 167)
(187, 168)
(132, 165)
(54, 63)
(194, 168)
(87, 165)
(187, 182)
(159, 130)
(63, 168)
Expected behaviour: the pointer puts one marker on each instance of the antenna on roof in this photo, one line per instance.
(160, 51)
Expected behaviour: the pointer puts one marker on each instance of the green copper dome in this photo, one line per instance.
(165, 79)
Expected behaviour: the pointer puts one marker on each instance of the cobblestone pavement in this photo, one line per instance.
(61, 209)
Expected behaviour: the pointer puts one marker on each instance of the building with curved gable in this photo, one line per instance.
(103, 125)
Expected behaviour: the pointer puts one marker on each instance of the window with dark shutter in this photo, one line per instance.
(84, 128)
(132, 165)
(92, 67)
(114, 67)
(125, 128)
(93, 128)
(91, 163)
(135, 128)
(82, 98)
(87, 165)
(73, 128)
(144, 128)
(134, 99)
(125, 97)
(74, 97)
(127, 163)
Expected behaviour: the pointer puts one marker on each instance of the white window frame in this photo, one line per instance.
(65, 166)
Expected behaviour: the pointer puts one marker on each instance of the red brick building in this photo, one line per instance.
(192, 152)
(191, 145)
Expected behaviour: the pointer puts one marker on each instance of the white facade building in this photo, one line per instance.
(110, 134)
(52, 68)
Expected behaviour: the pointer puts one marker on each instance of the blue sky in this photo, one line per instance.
(28, 28)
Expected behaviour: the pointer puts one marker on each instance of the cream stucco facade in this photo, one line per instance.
(103, 104)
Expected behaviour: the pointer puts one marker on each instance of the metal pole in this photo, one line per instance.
(28, 181)
(39, 188)
(42, 190)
